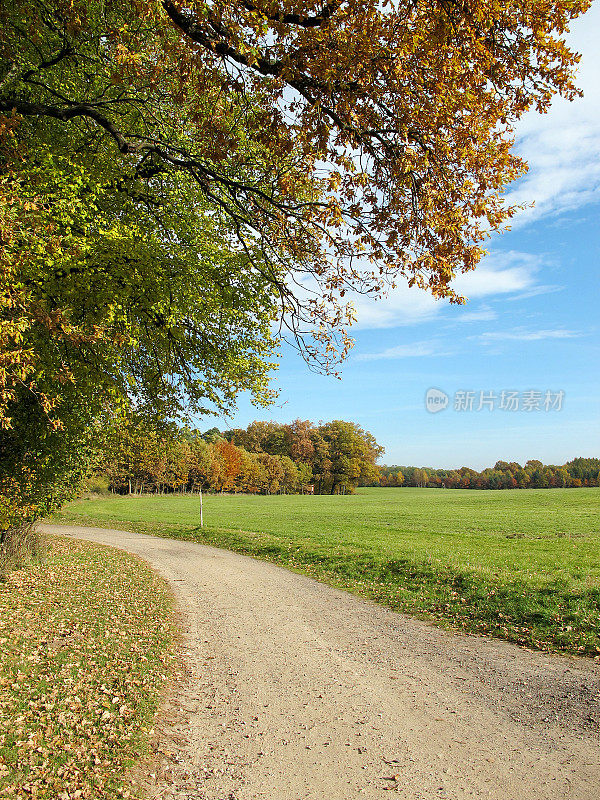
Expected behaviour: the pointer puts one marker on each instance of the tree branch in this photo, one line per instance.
(296, 19)
(77, 110)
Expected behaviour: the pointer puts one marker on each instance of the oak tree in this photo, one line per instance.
(175, 178)
(333, 145)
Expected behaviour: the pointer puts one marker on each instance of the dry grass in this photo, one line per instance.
(18, 546)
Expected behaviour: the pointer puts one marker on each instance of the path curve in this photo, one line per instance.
(300, 691)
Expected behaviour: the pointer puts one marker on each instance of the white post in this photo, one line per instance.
(201, 519)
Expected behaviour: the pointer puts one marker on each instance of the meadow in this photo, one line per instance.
(522, 565)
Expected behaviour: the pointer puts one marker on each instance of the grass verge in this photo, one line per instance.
(87, 644)
(521, 568)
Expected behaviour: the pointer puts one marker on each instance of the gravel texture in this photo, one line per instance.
(295, 690)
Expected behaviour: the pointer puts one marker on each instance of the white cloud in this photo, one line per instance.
(426, 348)
(415, 349)
(402, 306)
(536, 291)
(563, 146)
(526, 336)
(478, 315)
(510, 273)
(499, 273)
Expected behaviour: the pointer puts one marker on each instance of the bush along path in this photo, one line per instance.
(87, 638)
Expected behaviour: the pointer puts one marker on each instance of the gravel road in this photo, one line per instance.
(295, 690)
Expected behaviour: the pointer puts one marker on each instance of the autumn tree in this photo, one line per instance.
(347, 141)
(176, 178)
(291, 475)
(140, 456)
(321, 462)
(398, 478)
(118, 457)
(272, 473)
(301, 445)
(231, 464)
(503, 475)
(352, 453)
(251, 476)
(114, 289)
(305, 475)
(586, 470)
(420, 477)
(179, 465)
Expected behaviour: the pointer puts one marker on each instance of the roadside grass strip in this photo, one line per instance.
(87, 642)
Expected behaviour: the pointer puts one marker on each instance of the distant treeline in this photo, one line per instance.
(503, 475)
(300, 457)
(265, 458)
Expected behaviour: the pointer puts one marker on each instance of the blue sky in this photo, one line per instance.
(531, 323)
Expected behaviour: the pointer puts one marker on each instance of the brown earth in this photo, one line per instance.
(296, 691)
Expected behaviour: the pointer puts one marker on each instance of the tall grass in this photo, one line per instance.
(18, 546)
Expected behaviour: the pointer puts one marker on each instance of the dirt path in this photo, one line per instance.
(299, 691)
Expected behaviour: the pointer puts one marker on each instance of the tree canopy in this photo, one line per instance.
(318, 146)
(177, 182)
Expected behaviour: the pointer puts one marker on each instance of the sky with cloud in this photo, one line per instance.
(530, 324)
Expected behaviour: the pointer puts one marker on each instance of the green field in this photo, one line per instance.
(523, 565)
